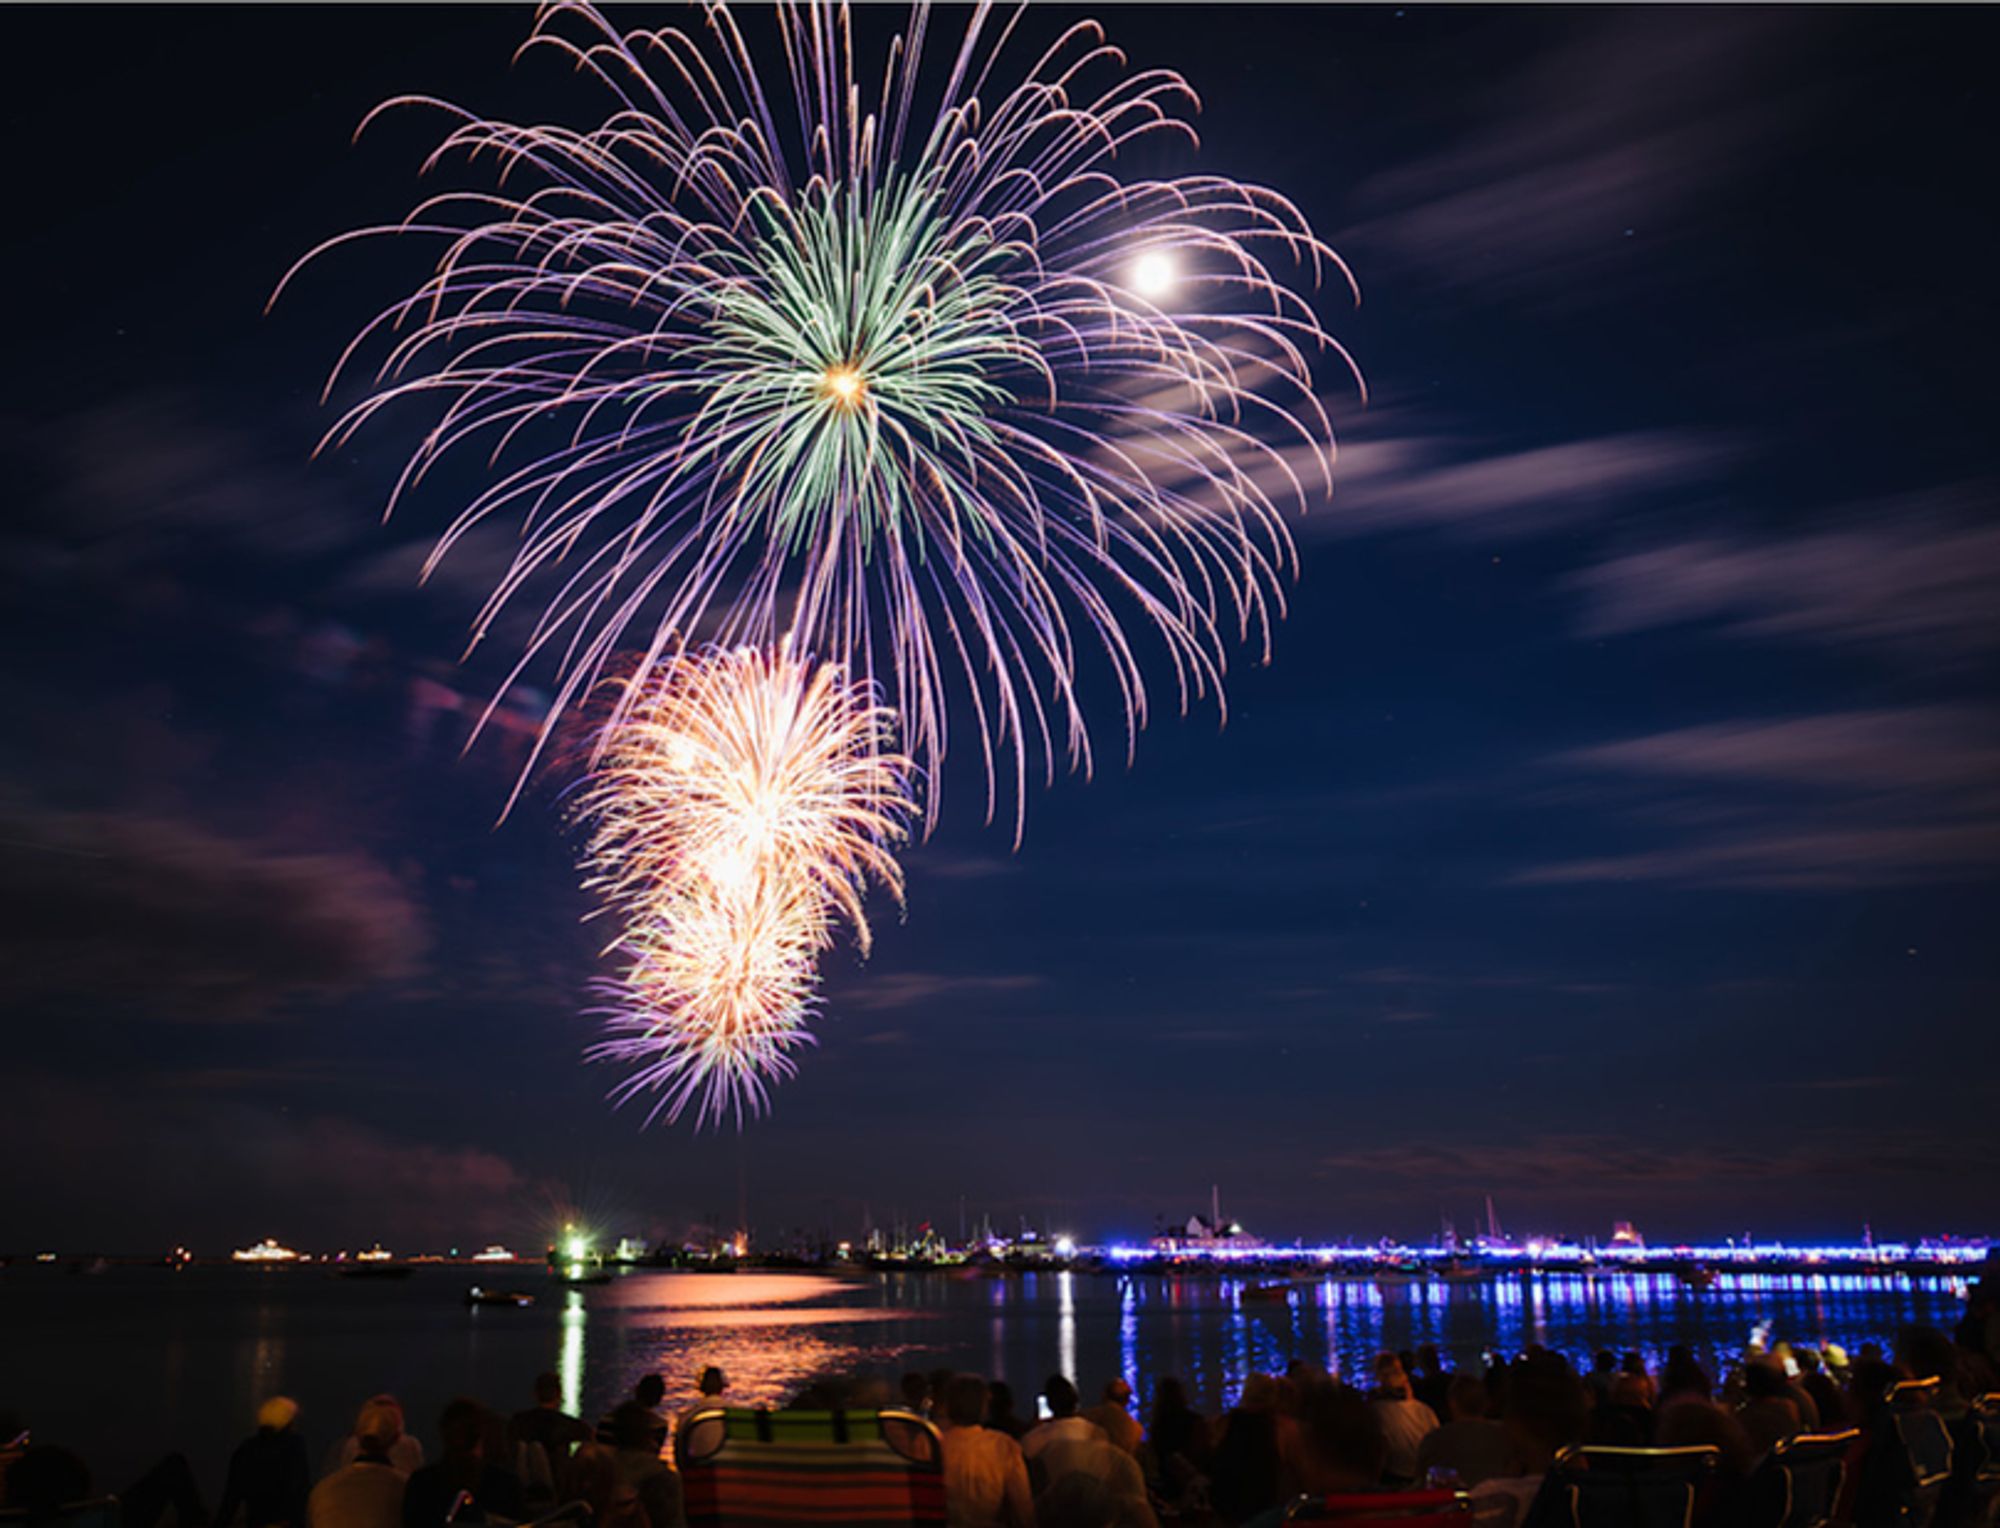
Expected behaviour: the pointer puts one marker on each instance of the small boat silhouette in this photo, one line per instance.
(479, 1295)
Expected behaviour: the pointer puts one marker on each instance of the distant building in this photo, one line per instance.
(1209, 1233)
(1622, 1235)
(1200, 1234)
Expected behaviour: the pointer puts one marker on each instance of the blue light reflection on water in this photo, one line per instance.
(1205, 1332)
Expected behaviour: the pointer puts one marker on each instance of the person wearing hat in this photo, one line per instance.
(367, 1492)
(269, 1474)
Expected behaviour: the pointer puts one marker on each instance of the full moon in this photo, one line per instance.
(1154, 274)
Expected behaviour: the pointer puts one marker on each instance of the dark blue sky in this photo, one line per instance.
(1616, 829)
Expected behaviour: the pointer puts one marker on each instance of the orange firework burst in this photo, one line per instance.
(742, 805)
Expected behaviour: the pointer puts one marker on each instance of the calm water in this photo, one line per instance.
(126, 1364)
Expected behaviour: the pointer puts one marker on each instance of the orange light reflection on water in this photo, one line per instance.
(769, 1333)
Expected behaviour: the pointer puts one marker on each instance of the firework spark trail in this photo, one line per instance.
(875, 376)
(741, 807)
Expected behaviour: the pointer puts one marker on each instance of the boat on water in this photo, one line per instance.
(515, 1298)
(267, 1251)
(1396, 1274)
(1696, 1278)
(1268, 1292)
(493, 1254)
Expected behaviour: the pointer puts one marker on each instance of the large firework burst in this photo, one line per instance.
(863, 364)
(740, 809)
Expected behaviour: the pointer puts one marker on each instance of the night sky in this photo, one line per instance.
(1616, 830)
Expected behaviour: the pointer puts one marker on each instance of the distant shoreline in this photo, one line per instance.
(1269, 1273)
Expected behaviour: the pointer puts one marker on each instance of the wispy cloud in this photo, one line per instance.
(1891, 749)
(1619, 132)
(1846, 799)
(1406, 479)
(925, 860)
(1916, 576)
(173, 919)
(137, 480)
(168, 1157)
(915, 989)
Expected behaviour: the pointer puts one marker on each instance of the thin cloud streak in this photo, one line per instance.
(1893, 796)
(1909, 577)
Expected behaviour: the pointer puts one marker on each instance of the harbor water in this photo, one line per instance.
(128, 1363)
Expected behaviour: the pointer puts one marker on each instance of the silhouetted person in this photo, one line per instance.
(43, 1478)
(1077, 1501)
(1472, 1446)
(1928, 1354)
(1406, 1421)
(1071, 1444)
(1244, 1479)
(1634, 1366)
(1429, 1382)
(1624, 1418)
(1603, 1370)
(368, 1491)
(1690, 1421)
(938, 1381)
(1826, 1397)
(1114, 1415)
(1340, 1446)
(1546, 1408)
(647, 1394)
(1978, 1330)
(545, 1423)
(1768, 1413)
(985, 1478)
(1063, 1425)
(1000, 1413)
(712, 1384)
(270, 1474)
(1683, 1377)
(635, 1452)
(916, 1392)
(593, 1480)
(1179, 1437)
(461, 1467)
(404, 1451)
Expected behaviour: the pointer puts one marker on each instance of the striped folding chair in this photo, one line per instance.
(762, 1469)
(1384, 1509)
(1602, 1487)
